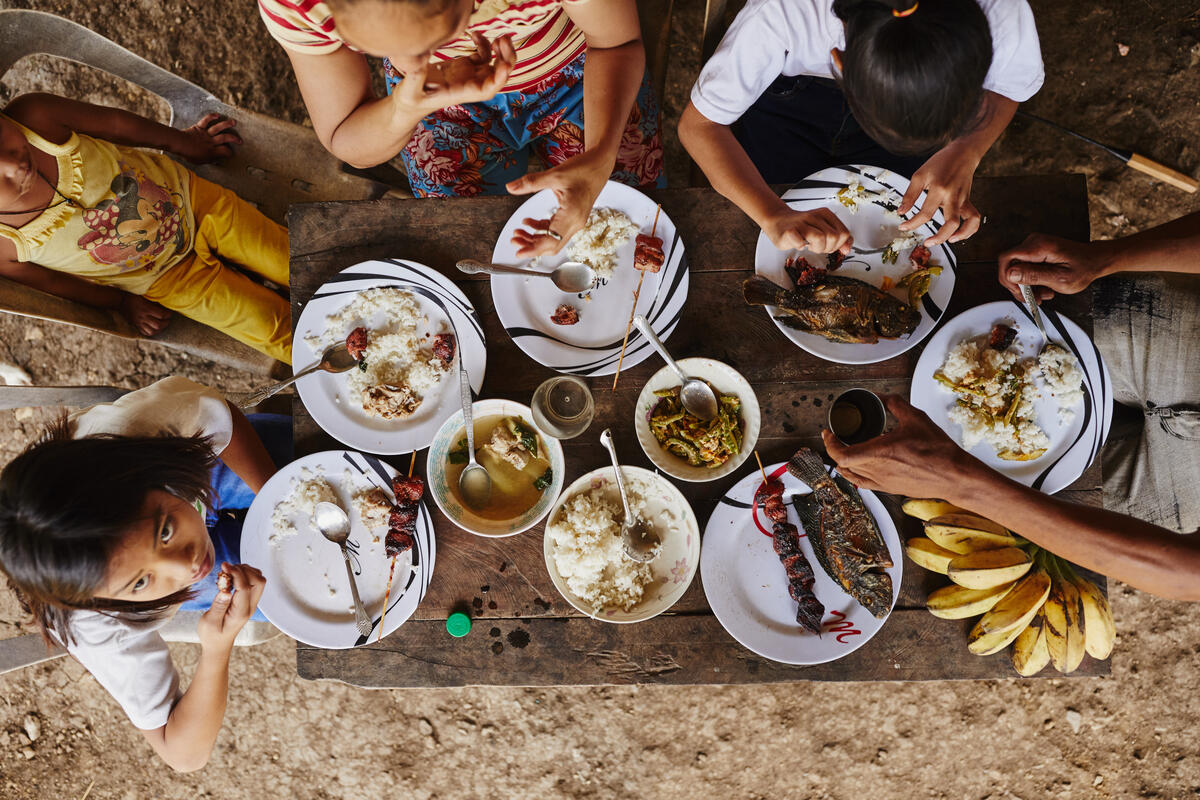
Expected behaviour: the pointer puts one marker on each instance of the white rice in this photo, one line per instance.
(306, 490)
(596, 245)
(586, 538)
(1064, 380)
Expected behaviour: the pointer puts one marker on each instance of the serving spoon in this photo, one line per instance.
(336, 358)
(569, 276)
(639, 542)
(334, 525)
(697, 397)
(474, 482)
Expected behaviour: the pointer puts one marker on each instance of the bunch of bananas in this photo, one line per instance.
(1028, 597)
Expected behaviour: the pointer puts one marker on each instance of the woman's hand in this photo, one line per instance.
(230, 612)
(576, 184)
(210, 139)
(946, 178)
(819, 231)
(147, 316)
(467, 79)
(1050, 264)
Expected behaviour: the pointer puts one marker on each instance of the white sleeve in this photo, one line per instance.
(1016, 71)
(131, 662)
(747, 60)
(175, 406)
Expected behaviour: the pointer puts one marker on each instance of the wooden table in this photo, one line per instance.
(524, 632)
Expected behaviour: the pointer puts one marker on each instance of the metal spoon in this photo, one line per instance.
(638, 540)
(474, 483)
(569, 276)
(336, 359)
(334, 525)
(697, 397)
(1032, 304)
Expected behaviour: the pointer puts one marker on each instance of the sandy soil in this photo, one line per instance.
(1129, 735)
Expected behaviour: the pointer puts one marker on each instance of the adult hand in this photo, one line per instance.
(147, 316)
(819, 231)
(210, 139)
(230, 612)
(576, 184)
(1050, 264)
(946, 178)
(466, 79)
(916, 458)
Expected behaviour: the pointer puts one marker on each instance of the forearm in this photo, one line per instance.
(611, 79)
(64, 285)
(187, 740)
(1173, 247)
(1145, 556)
(246, 455)
(374, 133)
(998, 111)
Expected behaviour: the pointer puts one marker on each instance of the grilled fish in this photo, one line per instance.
(839, 308)
(844, 536)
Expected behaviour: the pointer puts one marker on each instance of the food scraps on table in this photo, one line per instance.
(703, 444)
(565, 314)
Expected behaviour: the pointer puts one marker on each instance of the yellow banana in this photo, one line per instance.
(1030, 655)
(984, 644)
(1065, 637)
(985, 569)
(1019, 606)
(966, 533)
(928, 554)
(928, 509)
(956, 602)
(1098, 627)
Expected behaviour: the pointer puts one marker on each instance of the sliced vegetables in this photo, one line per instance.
(702, 444)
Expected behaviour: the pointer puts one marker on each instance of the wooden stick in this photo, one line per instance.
(89, 790)
(633, 311)
(387, 593)
(760, 467)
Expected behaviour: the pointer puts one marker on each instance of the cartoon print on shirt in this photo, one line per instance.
(136, 225)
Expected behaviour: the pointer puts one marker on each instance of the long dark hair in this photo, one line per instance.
(67, 504)
(915, 82)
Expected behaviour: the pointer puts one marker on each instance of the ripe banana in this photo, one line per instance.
(928, 554)
(1019, 606)
(928, 509)
(1030, 655)
(984, 644)
(956, 602)
(1065, 638)
(1098, 627)
(966, 533)
(985, 569)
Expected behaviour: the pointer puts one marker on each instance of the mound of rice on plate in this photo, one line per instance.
(596, 245)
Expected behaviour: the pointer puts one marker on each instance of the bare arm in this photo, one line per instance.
(246, 455)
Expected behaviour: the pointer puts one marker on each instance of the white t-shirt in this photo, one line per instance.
(770, 38)
(125, 654)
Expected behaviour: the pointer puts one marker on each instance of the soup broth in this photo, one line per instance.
(514, 490)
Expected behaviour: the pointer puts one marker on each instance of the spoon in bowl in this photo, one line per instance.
(637, 539)
(569, 276)
(334, 525)
(696, 396)
(474, 482)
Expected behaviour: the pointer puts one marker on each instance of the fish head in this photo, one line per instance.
(896, 319)
(874, 591)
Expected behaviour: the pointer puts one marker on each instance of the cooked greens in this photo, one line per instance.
(703, 444)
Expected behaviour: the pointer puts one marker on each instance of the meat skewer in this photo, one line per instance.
(809, 610)
(636, 293)
(408, 486)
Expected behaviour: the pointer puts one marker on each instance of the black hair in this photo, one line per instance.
(67, 504)
(914, 82)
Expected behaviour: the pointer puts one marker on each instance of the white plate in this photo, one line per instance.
(302, 569)
(727, 380)
(327, 396)
(873, 228)
(593, 345)
(674, 566)
(1073, 447)
(747, 587)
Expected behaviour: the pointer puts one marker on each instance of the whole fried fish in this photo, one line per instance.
(844, 536)
(839, 308)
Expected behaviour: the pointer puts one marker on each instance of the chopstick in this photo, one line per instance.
(383, 614)
(633, 311)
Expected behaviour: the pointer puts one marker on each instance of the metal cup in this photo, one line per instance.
(856, 415)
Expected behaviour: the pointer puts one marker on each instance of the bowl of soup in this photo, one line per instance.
(525, 465)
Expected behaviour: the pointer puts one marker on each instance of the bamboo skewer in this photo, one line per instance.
(387, 593)
(633, 311)
(760, 468)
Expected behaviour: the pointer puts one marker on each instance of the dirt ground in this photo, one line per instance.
(1129, 735)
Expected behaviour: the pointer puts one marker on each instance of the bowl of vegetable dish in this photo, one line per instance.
(680, 444)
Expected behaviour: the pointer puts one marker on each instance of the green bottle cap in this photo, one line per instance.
(458, 624)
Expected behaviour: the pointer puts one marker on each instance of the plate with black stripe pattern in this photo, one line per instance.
(308, 594)
(328, 396)
(593, 345)
(874, 224)
(1074, 444)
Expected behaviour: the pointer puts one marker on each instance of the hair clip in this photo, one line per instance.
(905, 13)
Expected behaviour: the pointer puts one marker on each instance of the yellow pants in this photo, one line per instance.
(202, 288)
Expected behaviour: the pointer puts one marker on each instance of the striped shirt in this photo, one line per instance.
(544, 37)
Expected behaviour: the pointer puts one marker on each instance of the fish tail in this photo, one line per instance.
(760, 291)
(808, 467)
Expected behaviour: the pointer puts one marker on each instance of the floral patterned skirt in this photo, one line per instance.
(472, 149)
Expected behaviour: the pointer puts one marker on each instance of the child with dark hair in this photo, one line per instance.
(109, 524)
(87, 215)
(921, 87)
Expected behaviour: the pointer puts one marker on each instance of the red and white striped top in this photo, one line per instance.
(542, 33)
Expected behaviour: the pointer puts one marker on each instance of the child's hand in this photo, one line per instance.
(819, 231)
(219, 625)
(947, 177)
(467, 79)
(576, 184)
(147, 316)
(210, 139)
